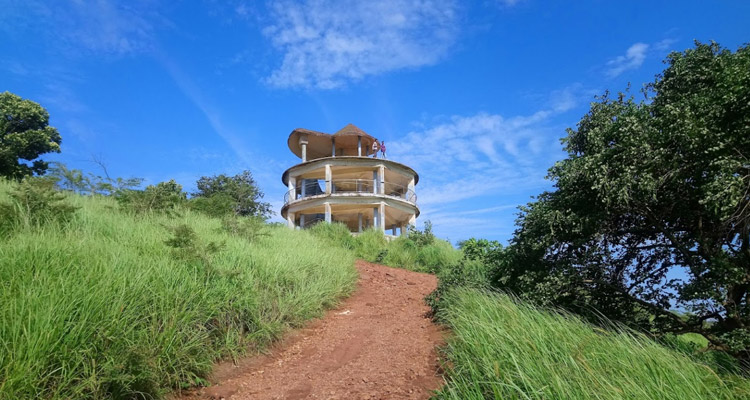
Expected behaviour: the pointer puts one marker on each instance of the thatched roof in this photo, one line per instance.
(320, 144)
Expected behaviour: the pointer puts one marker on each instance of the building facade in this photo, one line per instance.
(339, 180)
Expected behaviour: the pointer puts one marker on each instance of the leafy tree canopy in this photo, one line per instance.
(651, 208)
(163, 197)
(222, 194)
(25, 134)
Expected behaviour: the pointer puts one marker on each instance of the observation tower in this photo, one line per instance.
(338, 180)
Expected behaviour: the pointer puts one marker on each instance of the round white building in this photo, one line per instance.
(338, 180)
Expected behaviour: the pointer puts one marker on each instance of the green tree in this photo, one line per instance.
(25, 134)
(651, 209)
(222, 194)
(163, 197)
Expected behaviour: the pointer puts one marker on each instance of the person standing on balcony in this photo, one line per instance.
(382, 149)
(375, 148)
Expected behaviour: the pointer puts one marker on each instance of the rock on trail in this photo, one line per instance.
(378, 344)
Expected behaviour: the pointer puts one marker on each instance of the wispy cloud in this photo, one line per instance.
(193, 93)
(112, 27)
(509, 3)
(476, 155)
(104, 27)
(326, 43)
(633, 58)
(474, 166)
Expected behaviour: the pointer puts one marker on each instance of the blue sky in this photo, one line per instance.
(474, 95)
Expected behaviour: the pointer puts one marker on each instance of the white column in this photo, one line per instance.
(290, 220)
(359, 146)
(333, 147)
(413, 220)
(382, 217)
(403, 229)
(329, 177)
(328, 212)
(303, 144)
(359, 220)
(375, 217)
(292, 188)
(303, 188)
(382, 179)
(375, 182)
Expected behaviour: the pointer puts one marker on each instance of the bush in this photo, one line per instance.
(32, 204)
(219, 205)
(250, 228)
(164, 197)
(421, 238)
(696, 347)
(237, 194)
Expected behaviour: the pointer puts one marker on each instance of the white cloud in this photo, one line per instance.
(475, 169)
(478, 155)
(326, 44)
(664, 45)
(109, 27)
(633, 58)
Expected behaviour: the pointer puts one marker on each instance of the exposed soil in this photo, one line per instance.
(378, 344)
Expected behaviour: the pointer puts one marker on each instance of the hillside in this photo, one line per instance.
(107, 303)
(115, 305)
(503, 348)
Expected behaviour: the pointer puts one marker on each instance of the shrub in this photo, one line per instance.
(218, 205)
(422, 238)
(250, 228)
(237, 194)
(33, 203)
(163, 197)
(188, 247)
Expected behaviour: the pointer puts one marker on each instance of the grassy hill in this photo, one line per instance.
(106, 303)
(110, 304)
(505, 349)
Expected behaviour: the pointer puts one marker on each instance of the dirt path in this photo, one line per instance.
(377, 345)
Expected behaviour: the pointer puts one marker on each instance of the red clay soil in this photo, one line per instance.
(378, 344)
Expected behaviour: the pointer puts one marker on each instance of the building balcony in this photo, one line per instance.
(350, 187)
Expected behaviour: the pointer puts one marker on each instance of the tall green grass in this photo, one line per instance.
(101, 307)
(504, 349)
(401, 252)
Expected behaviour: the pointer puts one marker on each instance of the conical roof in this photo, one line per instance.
(351, 130)
(320, 144)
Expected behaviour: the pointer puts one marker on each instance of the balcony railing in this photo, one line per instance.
(339, 186)
(353, 186)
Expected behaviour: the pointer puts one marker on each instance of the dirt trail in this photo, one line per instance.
(377, 345)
